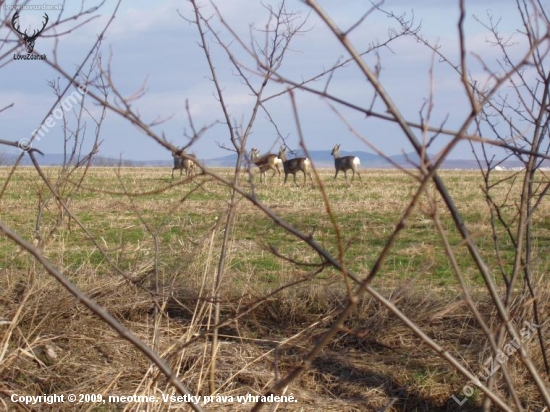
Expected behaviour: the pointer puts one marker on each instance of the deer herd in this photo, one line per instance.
(271, 161)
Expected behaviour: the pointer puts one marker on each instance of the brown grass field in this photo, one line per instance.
(162, 242)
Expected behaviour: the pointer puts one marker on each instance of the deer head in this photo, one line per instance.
(29, 40)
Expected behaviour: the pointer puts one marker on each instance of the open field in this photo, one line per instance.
(160, 246)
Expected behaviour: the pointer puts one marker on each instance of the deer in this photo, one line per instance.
(29, 40)
(266, 162)
(181, 163)
(292, 166)
(345, 163)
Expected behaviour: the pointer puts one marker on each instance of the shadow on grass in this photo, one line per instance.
(348, 377)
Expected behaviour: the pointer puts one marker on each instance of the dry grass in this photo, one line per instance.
(275, 309)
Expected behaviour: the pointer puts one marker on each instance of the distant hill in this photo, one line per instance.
(56, 159)
(321, 158)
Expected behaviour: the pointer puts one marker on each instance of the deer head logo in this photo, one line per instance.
(29, 40)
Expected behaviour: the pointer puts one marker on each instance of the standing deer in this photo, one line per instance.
(294, 165)
(345, 163)
(266, 162)
(182, 163)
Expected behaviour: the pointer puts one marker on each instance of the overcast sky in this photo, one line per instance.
(150, 42)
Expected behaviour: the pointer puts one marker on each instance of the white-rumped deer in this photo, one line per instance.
(182, 163)
(292, 166)
(345, 163)
(266, 162)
